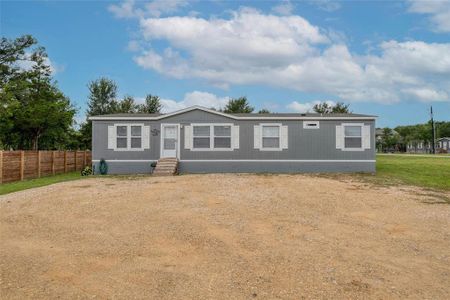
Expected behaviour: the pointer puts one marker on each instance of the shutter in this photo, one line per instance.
(339, 137)
(146, 137)
(366, 136)
(187, 137)
(284, 137)
(235, 137)
(257, 136)
(111, 137)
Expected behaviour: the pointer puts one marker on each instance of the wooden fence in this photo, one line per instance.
(20, 165)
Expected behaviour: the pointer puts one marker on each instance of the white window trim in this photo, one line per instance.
(261, 125)
(211, 137)
(362, 142)
(316, 123)
(128, 125)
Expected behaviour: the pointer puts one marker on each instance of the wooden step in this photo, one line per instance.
(166, 167)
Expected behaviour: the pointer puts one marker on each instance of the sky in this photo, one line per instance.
(384, 58)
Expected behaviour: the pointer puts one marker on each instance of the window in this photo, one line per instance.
(136, 137)
(202, 137)
(129, 137)
(270, 136)
(222, 137)
(211, 137)
(122, 139)
(352, 136)
(311, 124)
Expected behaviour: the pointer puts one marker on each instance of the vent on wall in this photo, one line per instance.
(311, 124)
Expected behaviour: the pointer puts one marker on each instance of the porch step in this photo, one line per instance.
(166, 167)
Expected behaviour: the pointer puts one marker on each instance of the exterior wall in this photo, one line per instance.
(275, 167)
(304, 144)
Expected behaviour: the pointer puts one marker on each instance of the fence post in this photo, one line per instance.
(39, 164)
(84, 159)
(75, 160)
(22, 163)
(65, 161)
(1, 166)
(53, 162)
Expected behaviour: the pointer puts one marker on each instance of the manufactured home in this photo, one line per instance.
(202, 140)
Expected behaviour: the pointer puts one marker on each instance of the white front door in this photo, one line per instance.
(169, 140)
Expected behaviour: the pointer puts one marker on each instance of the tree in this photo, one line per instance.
(11, 53)
(102, 97)
(101, 100)
(152, 105)
(239, 105)
(127, 105)
(341, 108)
(35, 113)
(263, 111)
(326, 108)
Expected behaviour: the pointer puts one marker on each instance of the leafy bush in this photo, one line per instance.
(86, 171)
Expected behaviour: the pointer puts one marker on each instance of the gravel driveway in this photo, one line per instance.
(224, 237)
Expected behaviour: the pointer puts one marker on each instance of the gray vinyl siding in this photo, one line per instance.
(303, 144)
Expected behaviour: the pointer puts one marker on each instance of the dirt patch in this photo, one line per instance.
(223, 236)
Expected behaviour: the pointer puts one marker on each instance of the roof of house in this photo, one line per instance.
(238, 116)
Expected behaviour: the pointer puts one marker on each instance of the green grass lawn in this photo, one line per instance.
(425, 171)
(6, 188)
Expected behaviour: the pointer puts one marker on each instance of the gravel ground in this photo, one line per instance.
(224, 237)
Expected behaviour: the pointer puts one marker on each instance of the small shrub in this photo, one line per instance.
(103, 167)
(86, 171)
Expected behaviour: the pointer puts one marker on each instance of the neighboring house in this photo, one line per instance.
(443, 144)
(208, 141)
(418, 146)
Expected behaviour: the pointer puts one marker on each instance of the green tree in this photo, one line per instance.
(325, 108)
(102, 97)
(239, 105)
(127, 105)
(35, 113)
(263, 111)
(101, 100)
(152, 105)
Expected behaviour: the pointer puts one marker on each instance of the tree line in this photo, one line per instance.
(36, 114)
(397, 139)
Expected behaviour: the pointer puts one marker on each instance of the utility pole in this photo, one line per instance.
(433, 134)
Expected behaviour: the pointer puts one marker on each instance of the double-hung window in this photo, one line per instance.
(136, 137)
(222, 137)
(211, 137)
(122, 137)
(270, 136)
(353, 137)
(202, 137)
(129, 137)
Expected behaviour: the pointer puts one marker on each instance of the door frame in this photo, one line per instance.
(161, 142)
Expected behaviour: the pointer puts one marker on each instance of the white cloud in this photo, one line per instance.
(204, 99)
(134, 46)
(327, 5)
(438, 10)
(287, 51)
(156, 8)
(307, 106)
(285, 8)
(125, 10)
(28, 64)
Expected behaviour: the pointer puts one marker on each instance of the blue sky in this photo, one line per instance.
(388, 58)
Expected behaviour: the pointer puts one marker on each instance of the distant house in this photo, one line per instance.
(419, 146)
(443, 144)
(201, 140)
